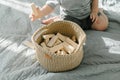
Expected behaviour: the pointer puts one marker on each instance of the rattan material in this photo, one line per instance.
(54, 62)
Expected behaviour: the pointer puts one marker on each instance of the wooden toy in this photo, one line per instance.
(56, 48)
(52, 41)
(59, 44)
(34, 9)
(68, 48)
(47, 37)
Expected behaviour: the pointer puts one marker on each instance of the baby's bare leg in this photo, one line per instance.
(102, 22)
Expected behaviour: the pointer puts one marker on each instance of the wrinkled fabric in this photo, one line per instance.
(17, 62)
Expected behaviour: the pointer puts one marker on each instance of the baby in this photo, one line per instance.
(83, 12)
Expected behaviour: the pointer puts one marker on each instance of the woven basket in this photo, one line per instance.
(52, 61)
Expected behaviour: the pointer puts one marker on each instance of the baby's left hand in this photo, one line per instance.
(94, 17)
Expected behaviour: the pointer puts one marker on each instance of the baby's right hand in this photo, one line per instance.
(34, 16)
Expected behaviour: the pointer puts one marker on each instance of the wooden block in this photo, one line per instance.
(63, 52)
(34, 9)
(74, 38)
(68, 48)
(61, 37)
(56, 48)
(46, 41)
(44, 45)
(74, 44)
(57, 42)
(67, 39)
(47, 37)
(52, 41)
(58, 52)
(29, 44)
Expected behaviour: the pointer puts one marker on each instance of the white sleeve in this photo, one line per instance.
(52, 3)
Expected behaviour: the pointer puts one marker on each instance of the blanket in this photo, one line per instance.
(101, 59)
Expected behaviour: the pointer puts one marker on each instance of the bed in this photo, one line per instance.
(17, 62)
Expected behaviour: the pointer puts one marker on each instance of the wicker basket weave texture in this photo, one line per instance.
(59, 62)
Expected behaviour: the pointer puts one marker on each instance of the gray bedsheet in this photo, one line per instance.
(17, 62)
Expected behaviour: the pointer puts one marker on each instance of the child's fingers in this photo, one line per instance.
(37, 8)
(90, 16)
(96, 19)
(32, 17)
(47, 21)
(52, 19)
(93, 18)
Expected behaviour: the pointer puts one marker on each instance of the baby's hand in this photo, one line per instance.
(94, 17)
(36, 13)
(52, 19)
(33, 17)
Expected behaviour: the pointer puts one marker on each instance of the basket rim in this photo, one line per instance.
(46, 27)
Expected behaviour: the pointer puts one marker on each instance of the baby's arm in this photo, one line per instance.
(94, 10)
(94, 7)
(45, 10)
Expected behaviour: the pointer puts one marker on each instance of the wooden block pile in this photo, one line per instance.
(59, 44)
